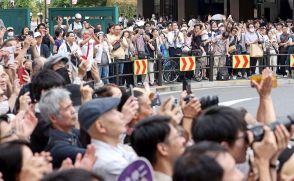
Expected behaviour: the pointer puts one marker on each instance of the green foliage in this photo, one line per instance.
(60, 3)
(23, 3)
(91, 3)
(127, 10)
(124, 8)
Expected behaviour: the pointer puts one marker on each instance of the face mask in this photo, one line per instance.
(4, 107)
(251, 30)
(64, 73)
(11, 33)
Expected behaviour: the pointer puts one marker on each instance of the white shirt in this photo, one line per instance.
(75, 26)
(39, 49)
(99, 50)
(179, 41)
(111, 160)
(84, 49)
(74, 48)
(73, 68)
(159, 176)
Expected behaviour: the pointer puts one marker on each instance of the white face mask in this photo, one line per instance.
(4, 107)
(11, 33)
(251, 30)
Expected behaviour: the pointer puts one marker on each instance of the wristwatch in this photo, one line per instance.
(275, 165)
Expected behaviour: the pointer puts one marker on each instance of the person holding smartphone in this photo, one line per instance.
(102, 56)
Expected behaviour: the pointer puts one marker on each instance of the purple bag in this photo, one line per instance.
(138, 170)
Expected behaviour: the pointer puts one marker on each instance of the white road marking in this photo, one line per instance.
(232, 102)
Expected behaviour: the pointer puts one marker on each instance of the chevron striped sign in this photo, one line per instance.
(187, 64)
(140, 67)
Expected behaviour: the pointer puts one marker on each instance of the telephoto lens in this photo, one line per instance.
(258, 131)
(209, 101)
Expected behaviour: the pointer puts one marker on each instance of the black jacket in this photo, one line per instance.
(44, 51)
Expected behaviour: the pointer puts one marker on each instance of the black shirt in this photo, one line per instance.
(46, 41)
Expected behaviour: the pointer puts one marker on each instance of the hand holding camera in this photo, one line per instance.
(265, 149)
(192, 108)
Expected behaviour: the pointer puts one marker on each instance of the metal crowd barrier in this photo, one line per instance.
(158, 63)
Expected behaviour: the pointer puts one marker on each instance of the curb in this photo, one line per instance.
(207, 84)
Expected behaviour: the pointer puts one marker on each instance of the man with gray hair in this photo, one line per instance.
(56, 106)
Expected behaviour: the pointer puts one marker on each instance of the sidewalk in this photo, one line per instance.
(206, 84)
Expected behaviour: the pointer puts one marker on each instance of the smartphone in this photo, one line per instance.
(187, 86)
(28, 56)
(28, 88)
(11, 51)
(258, 78)
(156, 101)
(175, 102)
(20, 73)
(31, 33)
(132, 90)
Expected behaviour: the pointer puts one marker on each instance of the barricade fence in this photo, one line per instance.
(172, 69)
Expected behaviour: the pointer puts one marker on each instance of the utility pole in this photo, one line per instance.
(45, 21)
(293, 11)
(226, 8)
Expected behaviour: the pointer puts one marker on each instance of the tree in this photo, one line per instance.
(23, 3)
(60, 3)
(91, 3)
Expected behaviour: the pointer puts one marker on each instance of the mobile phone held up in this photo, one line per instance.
(11, 51)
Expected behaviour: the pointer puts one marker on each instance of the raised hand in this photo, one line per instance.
(170, 108)
(86, 93)
(192, 109)
(130, 108)
(264, 88)
(95, 72)
(88, 160)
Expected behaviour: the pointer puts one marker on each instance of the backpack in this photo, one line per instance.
(222, 74)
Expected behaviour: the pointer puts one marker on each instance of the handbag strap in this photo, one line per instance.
(257, 36)
(88, 49)
(67, 47)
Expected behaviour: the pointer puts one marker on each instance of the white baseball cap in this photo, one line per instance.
(37, 34)
(10, 28)
(78, 16)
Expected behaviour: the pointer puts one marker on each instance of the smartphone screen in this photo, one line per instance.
(11, 51)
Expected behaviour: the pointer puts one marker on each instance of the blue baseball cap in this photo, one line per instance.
(92, 110)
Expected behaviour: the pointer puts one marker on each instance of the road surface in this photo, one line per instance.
(247, 97)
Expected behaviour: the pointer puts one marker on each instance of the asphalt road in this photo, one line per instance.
(247, 97)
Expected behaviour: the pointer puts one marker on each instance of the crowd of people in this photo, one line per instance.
(161, 38)
(63, 118)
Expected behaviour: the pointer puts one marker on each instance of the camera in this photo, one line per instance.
(21, 37)
(206, 102)
(258, 131)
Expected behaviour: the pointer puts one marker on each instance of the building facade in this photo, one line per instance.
(239, 9)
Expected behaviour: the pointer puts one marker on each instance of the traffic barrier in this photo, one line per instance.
(241, 61)
(187, 64)
(292, 60)
(140, 67)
